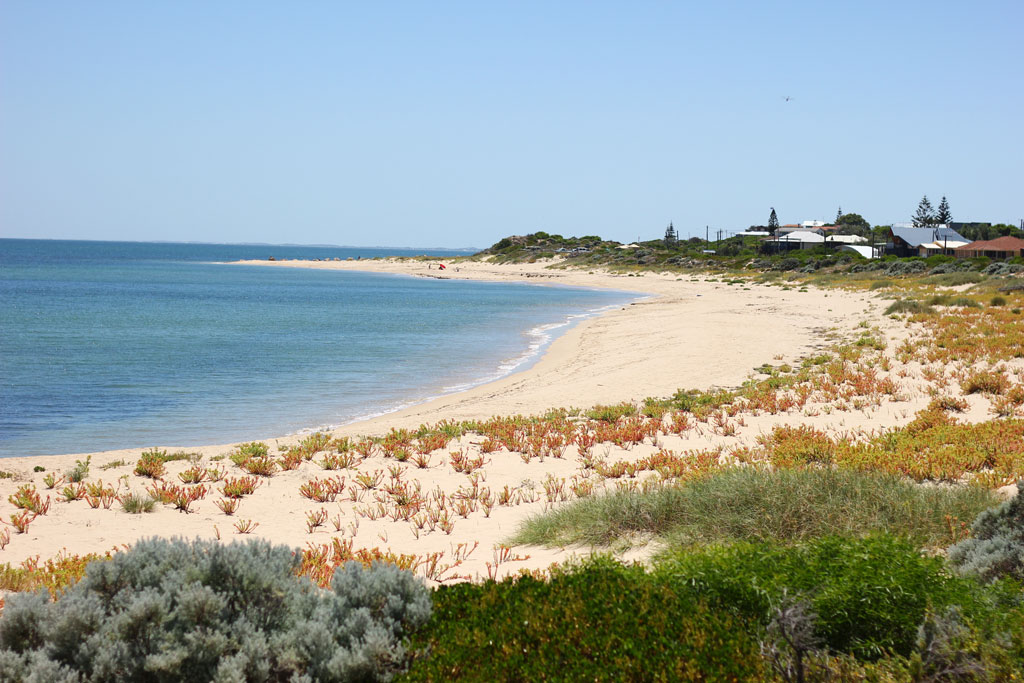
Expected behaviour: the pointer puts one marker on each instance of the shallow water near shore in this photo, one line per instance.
(108, 345)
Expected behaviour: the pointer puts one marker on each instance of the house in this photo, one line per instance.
(845, 239)
(796, 239)
(999, 248)
(804, 237)
(792, 227)
(939, 247)
(862, 249)
(905, 241)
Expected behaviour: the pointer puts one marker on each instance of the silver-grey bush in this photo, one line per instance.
(996, 546)
(173, 610)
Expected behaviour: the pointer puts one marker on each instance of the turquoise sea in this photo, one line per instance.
(109, 345)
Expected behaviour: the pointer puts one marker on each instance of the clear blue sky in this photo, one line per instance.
(455, 124)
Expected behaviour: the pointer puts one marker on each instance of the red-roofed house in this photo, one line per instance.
(999, 248)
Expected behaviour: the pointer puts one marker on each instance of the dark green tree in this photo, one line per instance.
(925, 215)
(773, 222)
(880, 234)
(853, 224)
(943, 216)
(670, 236)
(839, 215)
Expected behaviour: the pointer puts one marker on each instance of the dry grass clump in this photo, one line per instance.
(910, 306)
(752, 504)
(136, 503)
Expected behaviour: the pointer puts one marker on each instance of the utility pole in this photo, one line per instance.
(707, 234)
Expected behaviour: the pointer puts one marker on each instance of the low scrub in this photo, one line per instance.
(611, 413)
(597, 621)
(934, 447)
(872, 608)
(985, 382)
(868, 595)
(202, 611)
(751, 504)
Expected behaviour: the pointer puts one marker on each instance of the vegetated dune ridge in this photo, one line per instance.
(448, 513)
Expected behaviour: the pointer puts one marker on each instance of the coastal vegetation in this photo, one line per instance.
(832, 608)
(739, 254)
(202, 611)
(748, 504)
(783, 540)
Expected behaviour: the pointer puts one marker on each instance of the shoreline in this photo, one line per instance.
(694, 333)
(556, 361)
(534, 354)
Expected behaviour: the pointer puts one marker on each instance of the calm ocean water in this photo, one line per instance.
(119, 344)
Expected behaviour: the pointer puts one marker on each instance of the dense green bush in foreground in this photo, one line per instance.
(202, 611)
(599, 621)
(719, 614)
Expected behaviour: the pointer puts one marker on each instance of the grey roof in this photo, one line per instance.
(915, 237)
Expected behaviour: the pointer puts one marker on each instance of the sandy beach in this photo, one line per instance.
(686, 332)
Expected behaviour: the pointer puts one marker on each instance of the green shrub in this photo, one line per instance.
(202, 611)
(656, 408)
(596, 621)
(151, 464)
(246, 451)
(986, 382)
(997, 301)
(964, 301)
(80, 471)
(996, 546)
(611, 413)
(693, 400)
(869, 594)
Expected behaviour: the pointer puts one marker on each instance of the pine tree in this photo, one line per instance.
(925, 215)
(839, 215)
(944, 217)
(670, 235)
(773, 222)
